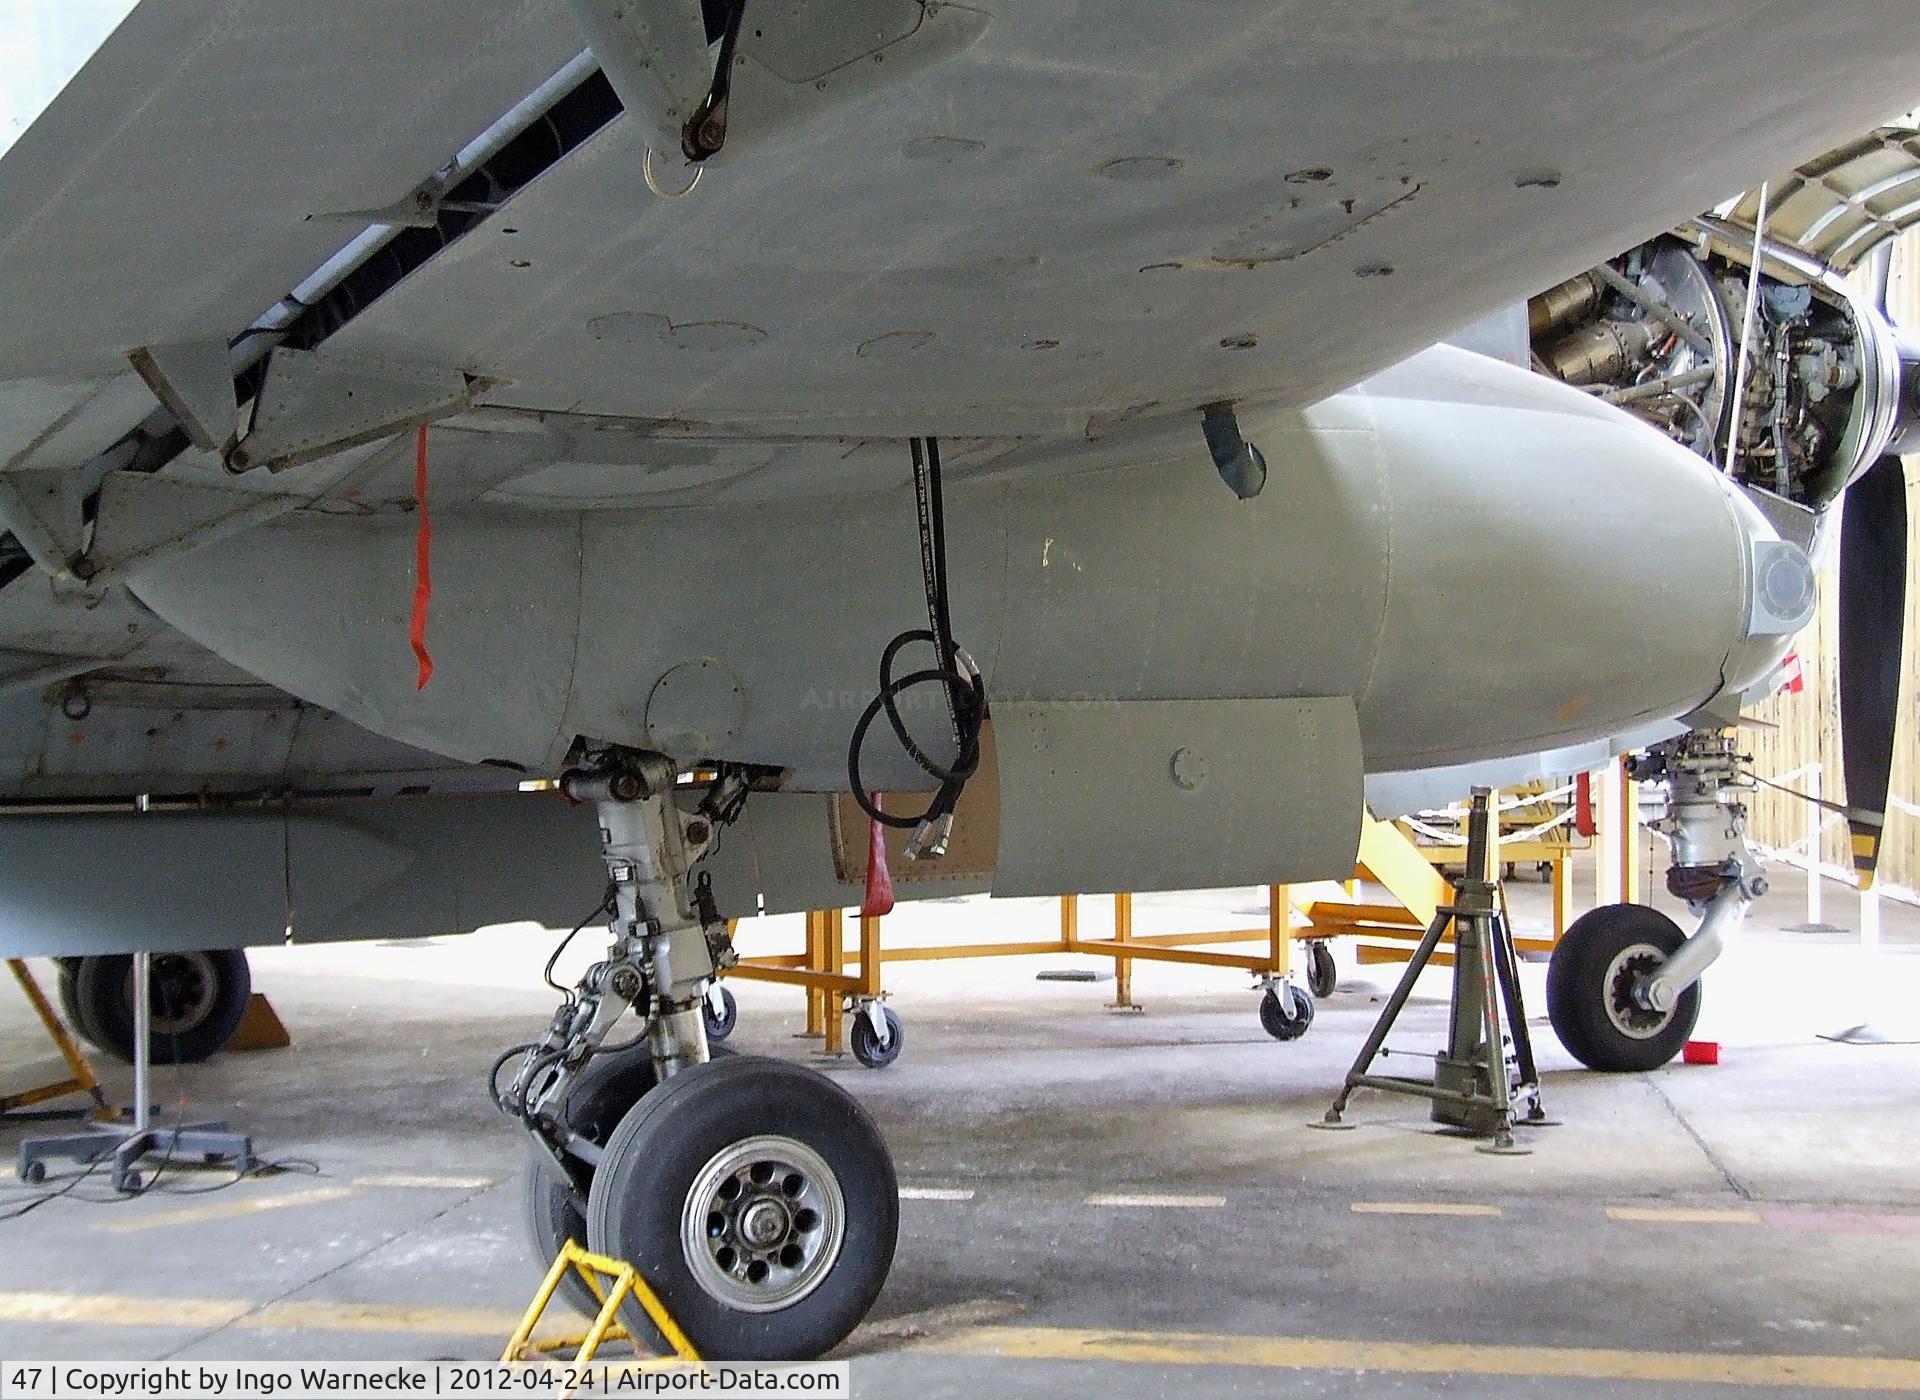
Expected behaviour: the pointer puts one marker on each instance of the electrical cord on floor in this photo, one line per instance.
(150, 1180)
(150, 1185)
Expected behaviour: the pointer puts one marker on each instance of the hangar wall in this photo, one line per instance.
(1809, 723)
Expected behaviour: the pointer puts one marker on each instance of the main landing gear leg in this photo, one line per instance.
(756, 1197)
(1623, 989)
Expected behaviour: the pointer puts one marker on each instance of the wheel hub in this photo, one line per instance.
(1625, 985)
(763, 1223)
(181, 988)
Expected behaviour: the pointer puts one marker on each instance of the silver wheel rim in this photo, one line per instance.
(1628, 1016)
(763, 1223)
(182, 987)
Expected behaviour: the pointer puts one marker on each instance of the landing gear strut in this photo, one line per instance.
(756, 1197)
(1623, 989)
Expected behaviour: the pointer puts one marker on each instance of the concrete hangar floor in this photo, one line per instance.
(1096, 1204)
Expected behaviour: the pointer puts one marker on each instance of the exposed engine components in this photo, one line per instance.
(1602, 350)
(1663, 330)
(1708, 782)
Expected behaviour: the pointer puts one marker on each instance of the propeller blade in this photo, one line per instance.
(1873, 612)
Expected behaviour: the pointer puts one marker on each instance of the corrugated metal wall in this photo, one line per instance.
(1808, 724)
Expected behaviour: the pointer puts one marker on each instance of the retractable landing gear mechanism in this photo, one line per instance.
(756, 1197)
(1485, 1075)
(1623, 989)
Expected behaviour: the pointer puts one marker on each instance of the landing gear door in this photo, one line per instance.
(1176, 794)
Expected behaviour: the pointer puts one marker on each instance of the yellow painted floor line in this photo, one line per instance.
(1429, 1358)
(1683, 1215)
(427, 1183)
(128, 1311)
(1122, 1198)
(1045, 1343)
(120, 1309)
(1421, 1208)
(230, 1209)
(935, 1193)
(389, 1317)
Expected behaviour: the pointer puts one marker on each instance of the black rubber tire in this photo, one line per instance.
(1577, 990)
(866, 1048)
(650, 1166)
(103, 998)
(34, 1172)
(606, 1092)
(720, 1026)
(1323, 974)
(72, 1010)
(1277, 1023)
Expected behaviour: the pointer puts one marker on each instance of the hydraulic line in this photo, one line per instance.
(953, 671)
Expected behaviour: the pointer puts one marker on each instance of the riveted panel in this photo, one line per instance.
(1176, 794)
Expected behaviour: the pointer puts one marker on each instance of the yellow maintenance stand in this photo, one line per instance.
(80, 1078)
(839, 978)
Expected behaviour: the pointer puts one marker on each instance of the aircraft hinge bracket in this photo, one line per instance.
(313, 403)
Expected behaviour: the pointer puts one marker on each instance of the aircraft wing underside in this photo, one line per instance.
(1062, 223)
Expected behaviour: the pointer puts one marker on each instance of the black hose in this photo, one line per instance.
(493, 1078)
(963, 689)
(969, 696)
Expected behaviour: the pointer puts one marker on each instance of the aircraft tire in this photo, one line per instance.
(1587, 980)
(759, 1200)
(72, 1010)
(607, 1089)
(199, 1000)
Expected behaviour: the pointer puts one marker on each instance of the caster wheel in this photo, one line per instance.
(556, 1211)
(1323, 975)
(1589, 989)
(867, 1048)
(131, 1183)
(34, 1172)
(720, 1023)
(1286, 1022)
(758, 1199)
(198, 1002)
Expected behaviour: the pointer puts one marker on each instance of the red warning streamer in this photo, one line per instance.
(422, 549)
(879, 895)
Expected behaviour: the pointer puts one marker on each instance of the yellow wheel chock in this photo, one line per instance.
(611, 1281)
